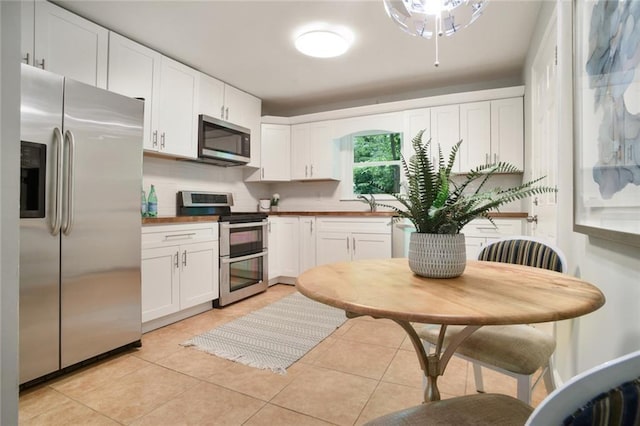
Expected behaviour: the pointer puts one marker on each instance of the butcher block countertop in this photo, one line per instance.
(167, 220)
(496, 215)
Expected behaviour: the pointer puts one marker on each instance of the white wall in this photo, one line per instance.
(614, 329)
(170, 176)
(9, 222)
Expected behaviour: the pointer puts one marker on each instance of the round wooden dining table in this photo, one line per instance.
(487, 293)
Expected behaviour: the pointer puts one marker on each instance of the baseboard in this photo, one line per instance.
(175, 317)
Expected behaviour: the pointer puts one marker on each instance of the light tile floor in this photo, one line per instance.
(365, 369)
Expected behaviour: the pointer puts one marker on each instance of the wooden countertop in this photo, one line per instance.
(177, 219)
(487, 293)
(496, 215)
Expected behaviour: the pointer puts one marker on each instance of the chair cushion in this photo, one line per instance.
(522, 252)
(521, 349)
(480, 409)
(619, 406)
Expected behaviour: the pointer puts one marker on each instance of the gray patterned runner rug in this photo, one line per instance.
(274, 337)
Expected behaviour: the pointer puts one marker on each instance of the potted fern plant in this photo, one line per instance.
(439, 208)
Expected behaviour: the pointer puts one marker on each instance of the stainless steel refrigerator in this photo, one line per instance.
(81, 176)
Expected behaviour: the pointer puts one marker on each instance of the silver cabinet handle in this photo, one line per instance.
(262, 171)
(226, 225)
(495, 158)
(155, 138)
(69, 178)
(347, 243)
(180, 236)
(241, 258)
(269, 227)
(311, 173)
(25, 58)
(306, 169)
(486, 158)
(311, 226)
(162, 140)
(39, 64)
(354, 245)
(57, 186)
(184, 258)
(226, 115)
(176, 262)
(222, 111)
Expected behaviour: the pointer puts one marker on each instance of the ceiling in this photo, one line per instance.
(249, 44)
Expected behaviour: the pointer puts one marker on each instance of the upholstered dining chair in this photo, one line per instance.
(608, 394)
(515, 350)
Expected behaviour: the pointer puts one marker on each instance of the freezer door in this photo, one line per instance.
(100, 272)
(41, 115)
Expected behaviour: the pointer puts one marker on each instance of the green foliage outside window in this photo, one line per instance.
(376, 163)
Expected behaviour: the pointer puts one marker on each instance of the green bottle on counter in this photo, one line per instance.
(152, 203)
(143, 205)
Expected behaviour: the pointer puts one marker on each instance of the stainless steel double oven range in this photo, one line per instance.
(243, 243)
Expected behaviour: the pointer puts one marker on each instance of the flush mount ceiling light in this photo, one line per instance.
(426, 18)
(323, 43)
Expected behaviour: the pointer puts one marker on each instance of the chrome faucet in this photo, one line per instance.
(371, 201)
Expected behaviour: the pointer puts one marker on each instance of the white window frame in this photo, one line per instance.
(349, 165)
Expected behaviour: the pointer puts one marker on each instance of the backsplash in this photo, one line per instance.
(170, 176)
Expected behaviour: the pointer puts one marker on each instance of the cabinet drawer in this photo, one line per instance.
(365, 226)
(484, 228)
(157, 236)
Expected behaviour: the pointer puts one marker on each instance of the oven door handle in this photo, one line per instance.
(241, 258)
(226, 225)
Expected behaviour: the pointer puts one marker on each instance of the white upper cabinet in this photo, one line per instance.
(169, 89)
(275, 159)
(445, 131)
(314, 153)
(134, 70)
(177, 134)
(66, 44)
(475, 131)
(507, 131)
(227, 103)
(493, 131)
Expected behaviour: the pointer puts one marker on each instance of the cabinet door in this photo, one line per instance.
(199, 273)
(211, 99)
(69, 45)
(445, 131)
(134, 71)
(507, 131)
(307, 234)
(276, 153)
(473, 245)
(300, 151)
(371, 246)
(27, 16)
(414, 121)
(288, 245)
(475, 131)
(333, 247)
(323, 152)
(160, 282)
(274, 254)
(178, 119)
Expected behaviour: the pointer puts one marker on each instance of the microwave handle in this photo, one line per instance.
(241, 258)
(225, 225)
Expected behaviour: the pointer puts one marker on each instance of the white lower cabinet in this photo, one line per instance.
(346, 239)
(179, 268)
(307, 243)
(283, 247)
(480, 232)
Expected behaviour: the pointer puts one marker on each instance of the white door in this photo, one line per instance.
(475, 132)
(333, 247)
(70, 45)
(273, 244)
(507, 131)
(307, 234)
(199, 273)
(134, 71)
(371, 246)
(160, 282)
(300, 151)
(321, 151)
(445, 131)
(276, 152)
(544, 141)
(211, 99)
(288, 245)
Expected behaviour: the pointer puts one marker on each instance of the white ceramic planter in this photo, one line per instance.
(437, 255)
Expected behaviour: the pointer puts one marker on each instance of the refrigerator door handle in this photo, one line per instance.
(68, 202)
(56, 221)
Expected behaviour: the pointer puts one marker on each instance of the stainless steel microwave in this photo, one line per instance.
(222, 143)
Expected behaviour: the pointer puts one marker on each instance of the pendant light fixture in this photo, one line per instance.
(434, 18)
